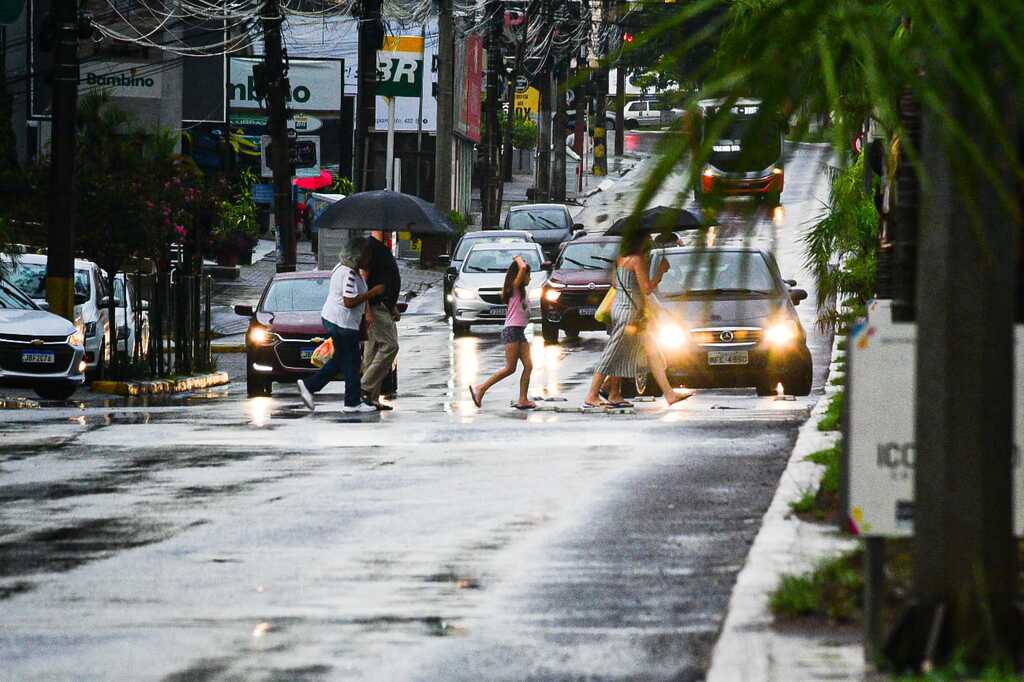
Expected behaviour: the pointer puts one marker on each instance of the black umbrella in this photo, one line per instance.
(386, 210)
(661, 219)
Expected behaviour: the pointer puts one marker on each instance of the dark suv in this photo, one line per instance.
(727, 320)
(550, 224)
(580, 279)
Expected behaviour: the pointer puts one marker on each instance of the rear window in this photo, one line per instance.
(537, 219)
(296, 295)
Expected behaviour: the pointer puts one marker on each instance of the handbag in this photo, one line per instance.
(603, 314)
(645, 310)
(322, 353)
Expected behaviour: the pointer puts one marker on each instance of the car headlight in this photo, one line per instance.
(464, 294)
(671, 335)
(77, 339)
(782, 333)
(261, 336)
(552, 295)
(710, 172)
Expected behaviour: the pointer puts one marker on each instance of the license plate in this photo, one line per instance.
(306, 353)
(587, 312)
(728, 357)
(498, 310)
(32, 357)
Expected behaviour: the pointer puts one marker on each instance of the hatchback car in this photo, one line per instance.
(285, 328)
(579, 281)
(550, 224)
(38, 350)
(28, 273)
(477, 289)
(727, 319)
(468, 241)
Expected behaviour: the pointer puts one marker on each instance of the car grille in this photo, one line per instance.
(10, 357)
(492, 296)
(726, 335)
(289, 353)
(575, 298)
(28, 338)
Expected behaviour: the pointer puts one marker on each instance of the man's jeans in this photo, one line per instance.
(379, 351)
(345, 360)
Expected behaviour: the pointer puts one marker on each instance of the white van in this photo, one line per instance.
(28, 273)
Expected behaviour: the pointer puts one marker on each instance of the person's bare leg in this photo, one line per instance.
(657, 365)
(524, 378)
(511, 356)
(595, 386)
(615, 390)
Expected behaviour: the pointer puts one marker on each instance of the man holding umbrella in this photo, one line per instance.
(381, 347)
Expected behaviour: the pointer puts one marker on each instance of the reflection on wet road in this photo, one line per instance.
(218, 537)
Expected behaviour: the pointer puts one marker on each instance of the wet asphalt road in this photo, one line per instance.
(217, 537)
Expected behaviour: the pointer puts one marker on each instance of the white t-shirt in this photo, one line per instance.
(345, 282)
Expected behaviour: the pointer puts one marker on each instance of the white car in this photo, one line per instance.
(28, 273)
(647, 113)
(477, 288)
(38, 350)
(127, 311)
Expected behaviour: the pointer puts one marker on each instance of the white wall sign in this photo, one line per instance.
(881, 439)
(315, 84)
(121, 79)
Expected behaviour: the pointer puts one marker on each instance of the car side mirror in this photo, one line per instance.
(577, 227)
(547, 266)
(790, 282)
(797, 295)
(243, 310)
(444, 259)
(45, 305)
(143, 304)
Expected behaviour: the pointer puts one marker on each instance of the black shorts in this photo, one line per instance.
(513, 335)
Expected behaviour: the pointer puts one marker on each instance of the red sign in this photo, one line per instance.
(472, 91)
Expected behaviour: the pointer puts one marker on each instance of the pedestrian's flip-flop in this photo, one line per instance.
(472, 393)
(621, 404)
(524, 407)
(590, 406)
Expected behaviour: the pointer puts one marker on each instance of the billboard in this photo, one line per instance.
(469, 78)
(316, 84)
(406, 65)
(118, 79)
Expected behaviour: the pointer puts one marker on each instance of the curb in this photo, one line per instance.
(749, 647)
(133, 388)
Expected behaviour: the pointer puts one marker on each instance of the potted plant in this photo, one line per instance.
(236, 232)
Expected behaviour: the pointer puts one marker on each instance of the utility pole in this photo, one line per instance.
(601, 103)
(371, 37)
(445, 106)
(620, 87)
(63, 214)
(275, 74)
(491, 207)
(558, 166)
(543, 174)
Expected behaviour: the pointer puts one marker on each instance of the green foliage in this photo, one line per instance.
(342, 185)
(831, 420)
(804, 505)
(839, 249)
(459, 221)
(238, 214)
(524, 133)
(823, 503)
(833, 590)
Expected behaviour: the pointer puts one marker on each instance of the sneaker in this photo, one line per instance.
(307, 397)
(361, 408)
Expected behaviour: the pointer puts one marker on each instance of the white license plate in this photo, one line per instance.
(587, 312)
(728, 357)
(498, 310)
(32, 357)
(306, 353)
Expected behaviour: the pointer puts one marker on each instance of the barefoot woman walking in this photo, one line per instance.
(631, 351)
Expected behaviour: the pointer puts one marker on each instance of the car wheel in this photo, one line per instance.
(571, 333)
(773, 199)
(460, 328)
(55, 391)
(632, 124)
(799, 379)
(257, 386)
(549, 331)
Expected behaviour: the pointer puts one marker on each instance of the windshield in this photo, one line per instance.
(498, 260)
(119, 293)
(466, 244)
(711, 272)
(12, 299)
(537, 219)
(31, 278)
(747, 145)
(593, 256)
(293, 295)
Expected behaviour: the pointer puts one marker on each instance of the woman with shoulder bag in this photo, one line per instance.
(342, 314)
(630, 351)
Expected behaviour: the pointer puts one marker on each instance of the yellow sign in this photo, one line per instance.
(528, 103)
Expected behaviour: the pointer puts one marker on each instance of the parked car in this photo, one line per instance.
(477, 289)
(549, 224)
(462, 248)
(28, 273)
(126, 313)
(729, 320)
(285, 328)
(579, 280)
(38, 350)
(647, 113)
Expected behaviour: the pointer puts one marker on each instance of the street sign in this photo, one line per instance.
(528, 103)
(881, 453)
(400, 67)
(522, 84)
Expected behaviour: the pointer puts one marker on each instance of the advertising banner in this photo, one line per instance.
(469, 76)
(406, 67)
(316, 84)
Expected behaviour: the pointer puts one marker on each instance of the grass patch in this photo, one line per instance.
(954, 672)
(841, 345)
(822, 504)
(833, 590)
(833, 415)
(838, 381)
(805, 505)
